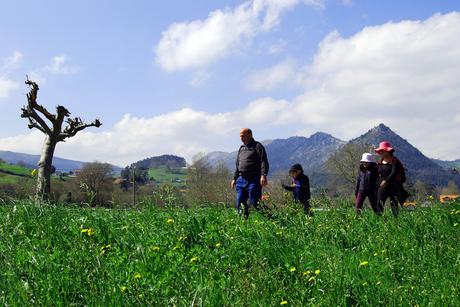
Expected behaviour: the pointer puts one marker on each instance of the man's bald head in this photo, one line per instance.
(245, 135)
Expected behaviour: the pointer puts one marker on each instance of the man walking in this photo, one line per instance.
(250, 173)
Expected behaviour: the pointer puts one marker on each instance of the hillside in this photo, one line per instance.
(30, 161)
(311, 152)
(169, 161)
(419, 167)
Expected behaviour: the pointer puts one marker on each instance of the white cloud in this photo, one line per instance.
(404, 74)
(198, 43)
(285, 73)
(59, 66)
(6, 87)
(11, 62)
(200, 78)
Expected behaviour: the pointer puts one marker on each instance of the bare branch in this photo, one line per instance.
(29, 110)
(62, 113)
(76, 125)
(32, 99)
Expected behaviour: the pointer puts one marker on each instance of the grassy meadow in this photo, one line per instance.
(64, 255)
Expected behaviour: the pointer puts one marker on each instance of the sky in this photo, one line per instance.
(183, 77)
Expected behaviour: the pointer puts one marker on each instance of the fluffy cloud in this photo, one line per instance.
(58, 66)
(10, 63)
(404, 74)
(198, 43)
(282, 74)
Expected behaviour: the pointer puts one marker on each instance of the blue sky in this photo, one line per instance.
(183, 76)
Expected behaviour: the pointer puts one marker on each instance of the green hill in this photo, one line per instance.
(10, 174)
(163, 175)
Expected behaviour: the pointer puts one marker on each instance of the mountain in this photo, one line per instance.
(417, 164)
(169, 161)
(447, 165)
(62, 165)
(311, 152)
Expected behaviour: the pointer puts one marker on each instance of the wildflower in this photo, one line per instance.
(34, 172)
(308, 272)
(137, 276)
(156, 248)
(194, 259)
(170, 221)
(123, 289)
(364, 263)
(317, 272)
(88, 231)
(283, 303)
(312, 279)
(292, 269)
(105, 249)
(218, 245)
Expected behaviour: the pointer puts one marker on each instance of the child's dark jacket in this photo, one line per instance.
(300, 188)
(367, 179)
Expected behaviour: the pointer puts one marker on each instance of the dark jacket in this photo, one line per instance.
(300, 188)
(391, 172)
(251, 161)
(367, 179)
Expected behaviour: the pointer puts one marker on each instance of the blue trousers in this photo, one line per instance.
(248, 190)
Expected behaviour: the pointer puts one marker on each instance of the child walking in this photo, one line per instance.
(366, 185)
(300, 187)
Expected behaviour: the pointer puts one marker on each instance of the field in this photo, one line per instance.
(57, 255)
(11, 174)
(164, 176)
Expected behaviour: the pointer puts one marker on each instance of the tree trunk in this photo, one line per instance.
(44, 169)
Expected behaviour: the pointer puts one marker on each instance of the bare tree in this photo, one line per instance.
(96, 180)
(52, 126)
(343, 167)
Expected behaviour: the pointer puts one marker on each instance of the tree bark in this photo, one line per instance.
(44, 169)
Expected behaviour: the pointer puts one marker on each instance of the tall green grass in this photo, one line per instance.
(210, 256)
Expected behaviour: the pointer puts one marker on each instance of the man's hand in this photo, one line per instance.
(233, 184)
(383, 184)
(263, 180)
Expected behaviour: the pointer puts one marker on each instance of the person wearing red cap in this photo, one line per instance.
(391, 178)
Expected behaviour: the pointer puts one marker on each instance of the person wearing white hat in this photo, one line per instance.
(366, 184)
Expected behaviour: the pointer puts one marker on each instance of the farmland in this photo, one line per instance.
(61, 255)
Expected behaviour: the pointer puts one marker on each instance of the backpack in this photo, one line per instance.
(401, 175)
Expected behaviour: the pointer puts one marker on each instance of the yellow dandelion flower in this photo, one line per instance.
(364, 263)
(308, 272)
(194, 259)
(105, 248)
(34, 172)
(218, 245)
(170, 221)
(123, 289)
(88, 231)
(292, 269)
(317, 272)
(283, 303)
(137, 276)
(156, 248)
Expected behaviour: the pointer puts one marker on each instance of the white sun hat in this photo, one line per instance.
(367, 157)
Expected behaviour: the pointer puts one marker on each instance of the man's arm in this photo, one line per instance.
(237, 172)
(264, 166)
